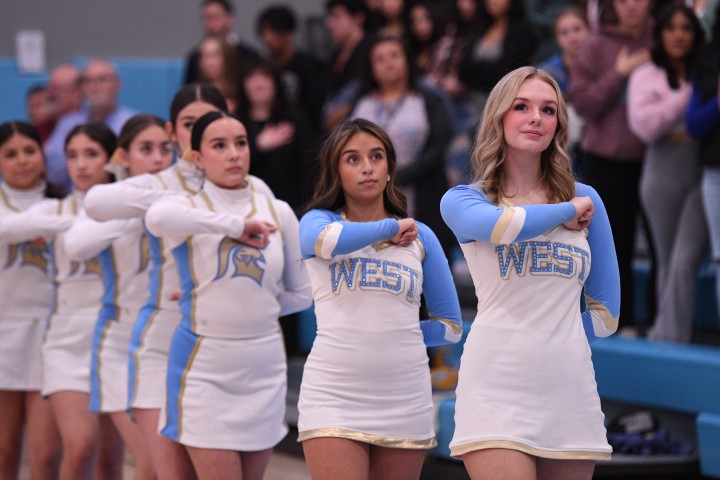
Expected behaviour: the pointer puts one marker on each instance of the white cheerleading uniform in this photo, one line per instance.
(123, 249)
(26, 293)
(526, 379)
(158, 318)
(78, 288)
(227, 371)
(367, 377)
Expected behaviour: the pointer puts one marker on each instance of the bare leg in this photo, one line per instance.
(134, 440)
(170, 459)
(215, 464)
(11, 404)
(110, 459)
(500, 464)
(79, 432)
(395, 463)
(548, 469)
(254, 464)
(332, 458)
(42, 438)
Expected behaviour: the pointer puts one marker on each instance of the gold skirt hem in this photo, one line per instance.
(367, 438)
(460, 450)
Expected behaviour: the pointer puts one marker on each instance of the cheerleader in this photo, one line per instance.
(365, 405)
(527, 404)
(123, 250)
(238, 255)
(78, 288)
(25, 301)
(154, 327)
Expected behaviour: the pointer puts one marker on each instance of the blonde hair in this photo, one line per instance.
(489, 152)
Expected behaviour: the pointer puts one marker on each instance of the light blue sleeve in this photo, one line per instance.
(602, 287)
(324, 234)
(445, 323)
(472, 217)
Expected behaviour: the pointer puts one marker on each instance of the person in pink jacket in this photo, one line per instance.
(658, 95)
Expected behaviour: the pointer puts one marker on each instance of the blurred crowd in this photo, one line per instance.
(640, 78)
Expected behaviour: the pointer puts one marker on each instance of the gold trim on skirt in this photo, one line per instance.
(367, 438)
(460, 450)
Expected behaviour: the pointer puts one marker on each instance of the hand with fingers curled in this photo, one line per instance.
(407, 233)
(256, 233)
(626, 62)
(584, 211)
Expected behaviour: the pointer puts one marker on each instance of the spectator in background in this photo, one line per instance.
(424, 32)
(418, 124)
(219, 68)
(611, 153)
(394, 17)
(703, 123)
(571, 29)
(442, 71)
(543, 14)
(346, 22)
(101, 86)
(277, 132)
(302, 75)
(39, 111)
(658, 96)
(64, 95)
(65, 90)
(505, 41)
(218, 19)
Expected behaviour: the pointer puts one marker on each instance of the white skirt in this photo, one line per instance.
(20, 366)
(225, 393)
(149, 349)
(109, 368)
(534, 392)
(370, 391)
(66, 353)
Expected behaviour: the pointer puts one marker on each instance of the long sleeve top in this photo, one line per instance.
(703, 114)
(26, 287)
(229, 289)
(522, 248)
(78, 285)
(356, 274)
(654, 108)
(132, 197)
(124, 254)
(598, 93)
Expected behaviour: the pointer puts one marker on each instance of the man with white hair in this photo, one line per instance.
(100, 85)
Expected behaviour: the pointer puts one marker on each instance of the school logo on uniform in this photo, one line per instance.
(543, 258)
(88, 267)
(247, 261)
(33, 254)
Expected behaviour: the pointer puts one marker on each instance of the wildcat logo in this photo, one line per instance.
(90, 267)
(33, 254)
(248, 261)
